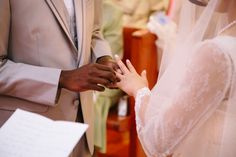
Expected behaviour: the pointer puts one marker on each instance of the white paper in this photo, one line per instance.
(27, 134)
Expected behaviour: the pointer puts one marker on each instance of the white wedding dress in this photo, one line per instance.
(192, 122)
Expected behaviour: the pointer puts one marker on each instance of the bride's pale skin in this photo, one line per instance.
(131, 81)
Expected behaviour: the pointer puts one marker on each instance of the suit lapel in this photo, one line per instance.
(83, 11)
(80, 22)
(61, 14)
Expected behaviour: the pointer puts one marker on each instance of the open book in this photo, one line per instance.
(27, 134)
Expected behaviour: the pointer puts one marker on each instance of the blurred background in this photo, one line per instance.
(137, 30)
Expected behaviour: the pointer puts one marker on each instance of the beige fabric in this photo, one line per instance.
(35, 38)
(112, 26)
(137, 12)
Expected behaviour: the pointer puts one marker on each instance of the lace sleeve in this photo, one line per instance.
(142, 96)
(164, 124)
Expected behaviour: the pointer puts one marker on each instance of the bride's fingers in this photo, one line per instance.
(144, 74)
(130, 66)
(119, 75)
(119, 71)
(121, 65)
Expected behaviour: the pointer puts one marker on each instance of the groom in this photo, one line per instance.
(48, 50)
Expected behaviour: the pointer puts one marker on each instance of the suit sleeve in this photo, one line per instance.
(100, 46)
(23, 81)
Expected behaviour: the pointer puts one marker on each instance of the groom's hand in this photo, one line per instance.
(108, 61)
(87, 77)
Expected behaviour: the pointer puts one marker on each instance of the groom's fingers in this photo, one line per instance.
(130, 66)
(121, 65)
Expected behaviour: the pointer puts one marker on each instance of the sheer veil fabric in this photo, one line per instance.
(195, 113)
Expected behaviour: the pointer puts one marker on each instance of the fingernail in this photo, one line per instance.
(116, 56)
(128, 61)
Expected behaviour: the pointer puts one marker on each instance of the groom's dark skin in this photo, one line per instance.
(93, 76)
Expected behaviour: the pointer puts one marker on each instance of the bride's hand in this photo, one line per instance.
(130, 80)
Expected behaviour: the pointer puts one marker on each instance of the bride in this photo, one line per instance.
(191, 111)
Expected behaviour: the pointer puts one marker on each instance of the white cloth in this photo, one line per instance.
(181, 125)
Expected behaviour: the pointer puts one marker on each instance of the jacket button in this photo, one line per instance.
(76, 103)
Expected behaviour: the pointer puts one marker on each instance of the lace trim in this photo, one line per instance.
(138, 101)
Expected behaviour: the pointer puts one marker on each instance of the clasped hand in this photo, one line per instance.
(104, 73)
(92, 76)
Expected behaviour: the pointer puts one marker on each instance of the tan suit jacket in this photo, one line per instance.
(36, 41)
